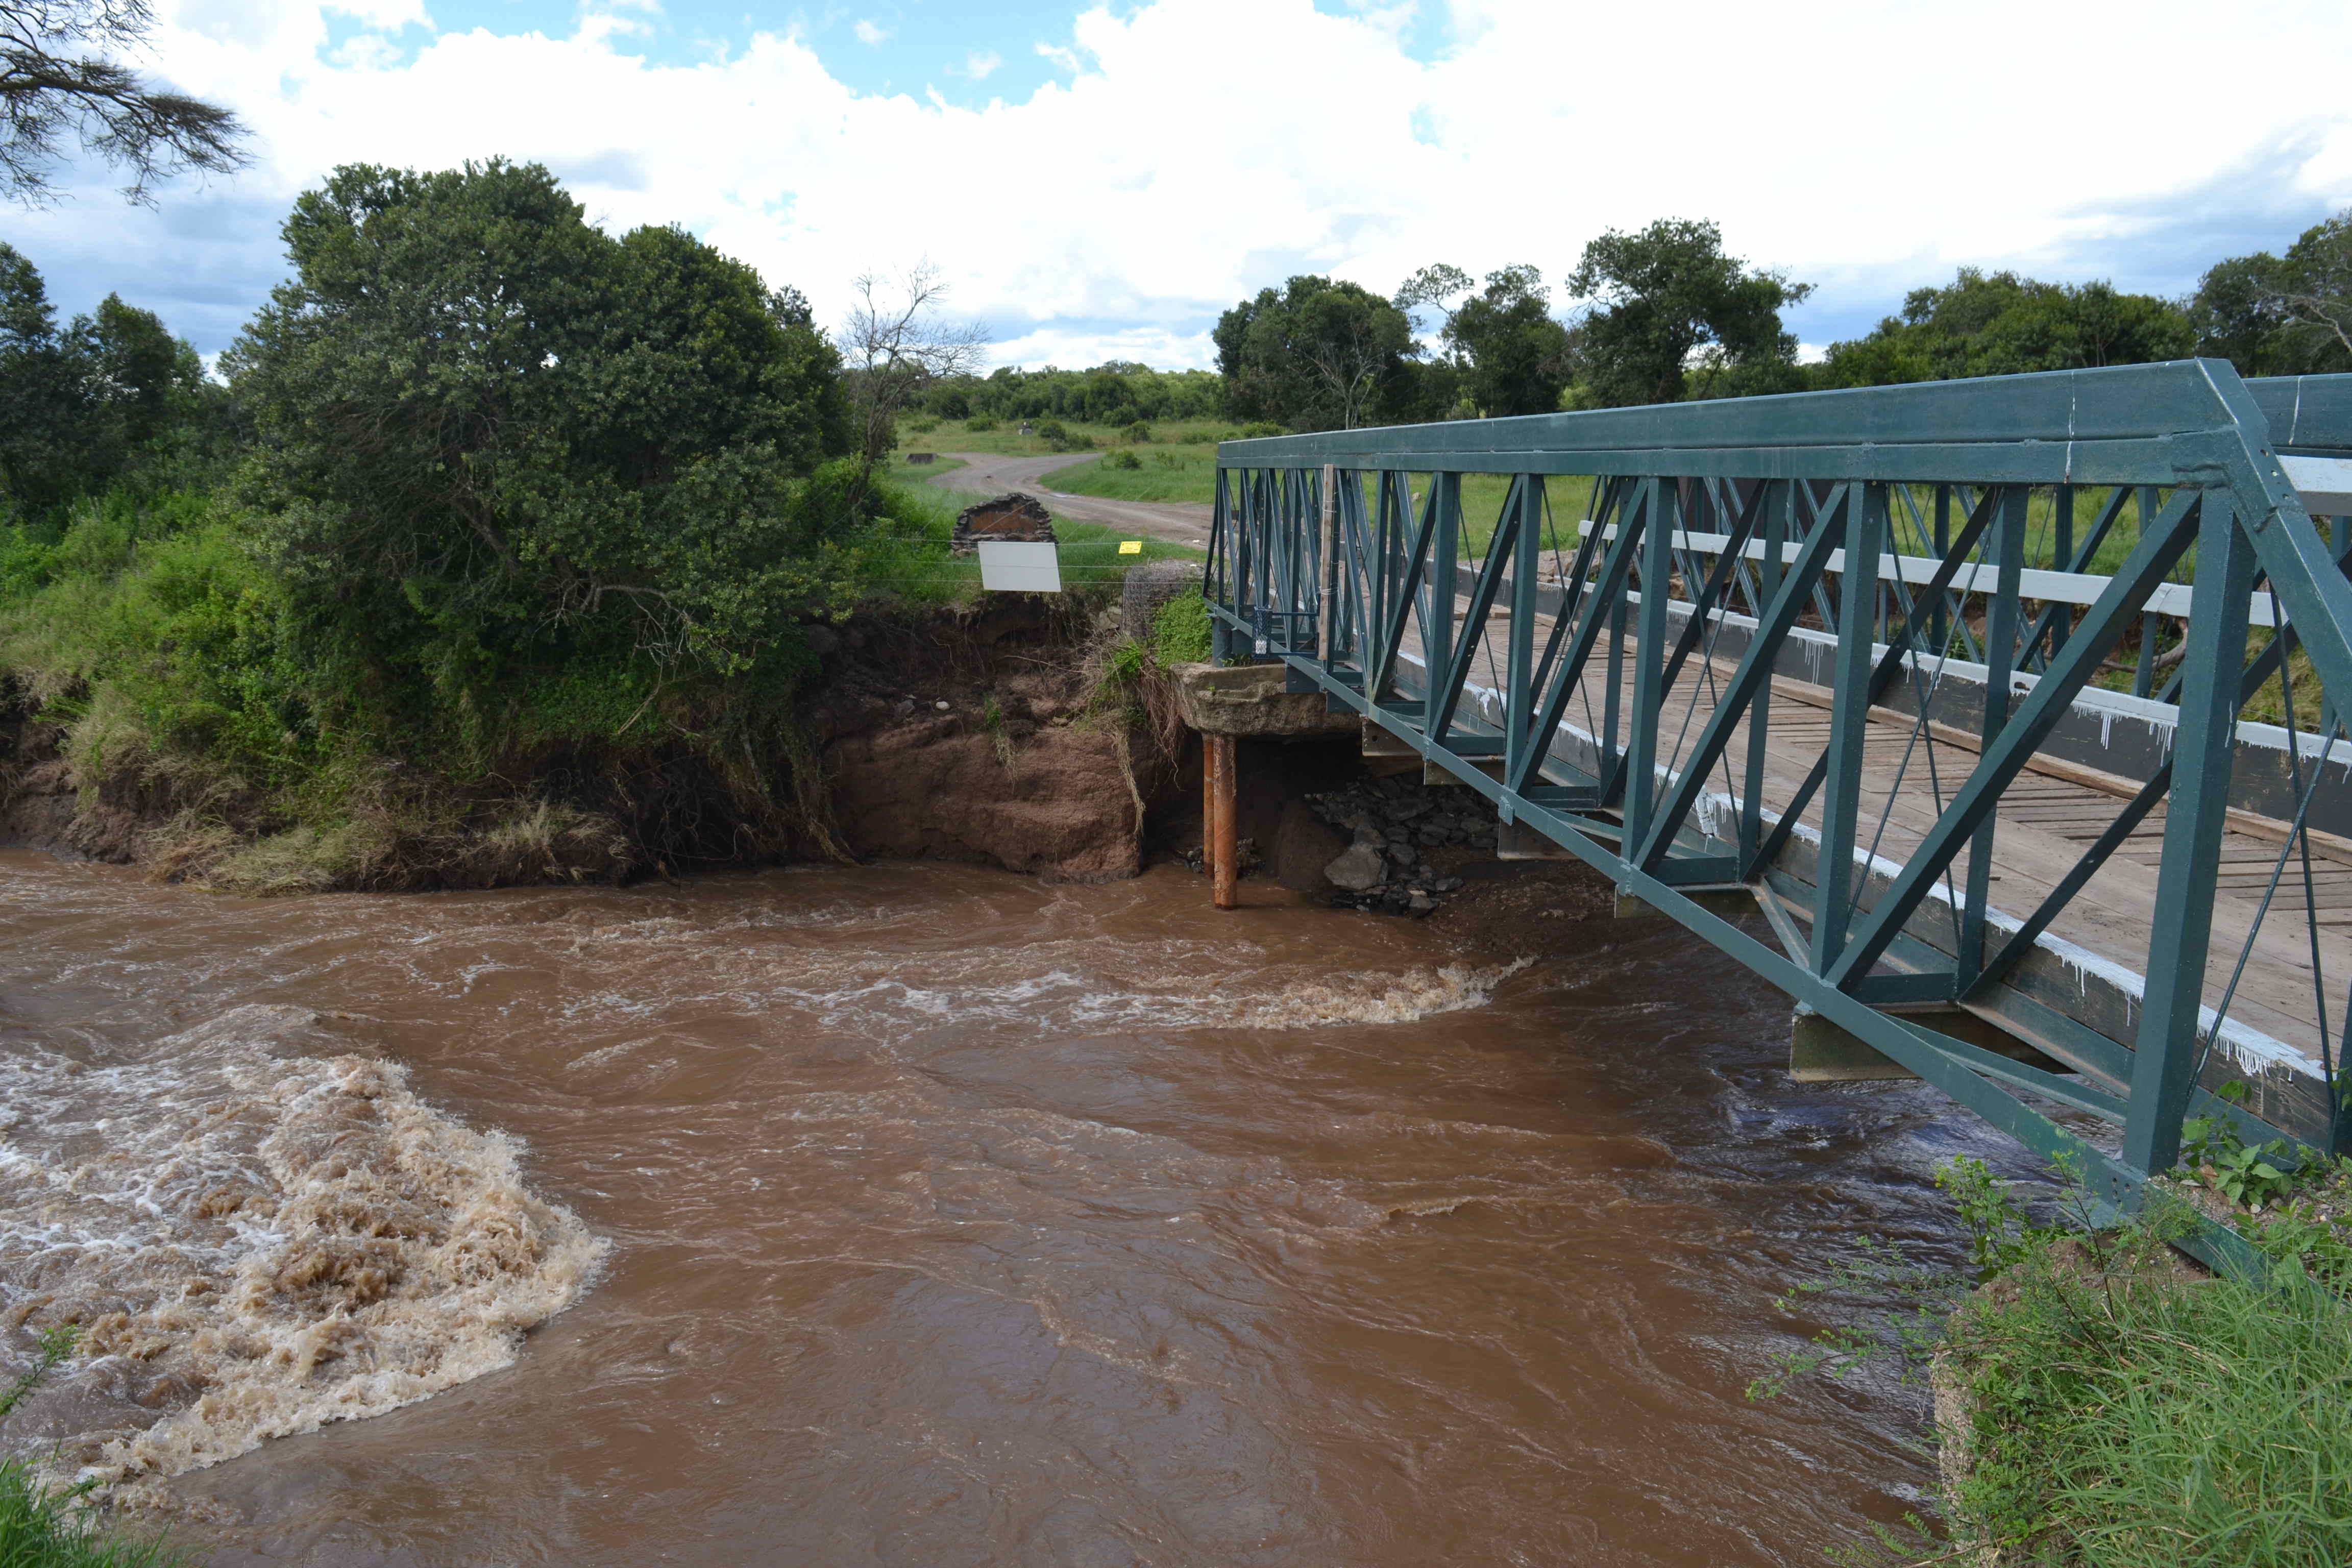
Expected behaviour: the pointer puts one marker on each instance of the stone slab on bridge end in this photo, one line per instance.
(1250, 700)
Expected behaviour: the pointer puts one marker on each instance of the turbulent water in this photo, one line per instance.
(925, 1215)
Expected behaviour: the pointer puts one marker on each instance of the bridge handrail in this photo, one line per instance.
(1324, 554)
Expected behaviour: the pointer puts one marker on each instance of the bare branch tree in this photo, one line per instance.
(1348, 358)
(2329, 314)
(56, 81)
(897, 344)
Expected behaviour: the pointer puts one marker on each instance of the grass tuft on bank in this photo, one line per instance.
(2121, 1416)
(2102, 1401)
(46, 1526)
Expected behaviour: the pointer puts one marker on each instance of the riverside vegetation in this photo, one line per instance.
(41, 1526)
(504, 550)
(2103, 1403)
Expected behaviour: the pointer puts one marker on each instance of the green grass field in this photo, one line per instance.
(1004, 438)
(914, 563)
(1186, 471)
(1171, 473)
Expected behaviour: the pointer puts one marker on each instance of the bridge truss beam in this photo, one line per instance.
(1639, 682)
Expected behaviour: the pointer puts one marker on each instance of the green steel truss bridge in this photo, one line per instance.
(1903, 697)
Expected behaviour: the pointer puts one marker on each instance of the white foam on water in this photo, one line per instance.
(255, 1242)
(1405, 998)
(1064, 992)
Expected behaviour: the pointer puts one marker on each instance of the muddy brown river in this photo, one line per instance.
(927, 1215)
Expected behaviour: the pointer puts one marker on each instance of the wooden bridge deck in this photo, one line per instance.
(2046, 819)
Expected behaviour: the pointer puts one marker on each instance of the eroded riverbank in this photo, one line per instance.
(957, 1217)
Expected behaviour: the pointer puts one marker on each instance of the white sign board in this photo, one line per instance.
(1007, 567)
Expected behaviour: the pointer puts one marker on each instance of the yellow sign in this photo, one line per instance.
(1130, 547)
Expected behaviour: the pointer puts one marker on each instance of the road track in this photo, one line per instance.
(989, 474)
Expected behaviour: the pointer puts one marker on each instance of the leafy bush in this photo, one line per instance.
(1139, 432)
(981, 424)
(1060, 437)
(163, 629)
(2252, 1175)
(922, 426)
(25, 563)
(1180, 630)
(1122, 459)
(1257, 427)
(1117, 393)
(616, 452)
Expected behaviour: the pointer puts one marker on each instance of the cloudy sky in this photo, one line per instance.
(1100, 182)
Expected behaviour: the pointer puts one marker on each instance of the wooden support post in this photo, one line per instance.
(1224, 854)
(1209, 805)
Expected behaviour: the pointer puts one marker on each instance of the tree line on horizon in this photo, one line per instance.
(1664, 314)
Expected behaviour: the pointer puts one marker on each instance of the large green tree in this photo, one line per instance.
(110, 396)
(2001, 324)
(485, 421)
(1673, 316)
(35, 407)
(1316, 355)
(1507, 354)
(2282, 315)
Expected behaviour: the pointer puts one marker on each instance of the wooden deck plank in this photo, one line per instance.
(2043, 825)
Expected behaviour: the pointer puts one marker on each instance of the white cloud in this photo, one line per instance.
(388, 14)
(1067, 59)
(980, 63)
(1075, 347)
(870, 34)
(1164, 175)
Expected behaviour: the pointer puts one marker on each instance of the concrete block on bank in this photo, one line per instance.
(1252, 700)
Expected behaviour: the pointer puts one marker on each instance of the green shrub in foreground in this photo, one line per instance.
(2119, 1410)
(42, 1529)
(2128, 1419)
(40, 1526)
(1180, 630)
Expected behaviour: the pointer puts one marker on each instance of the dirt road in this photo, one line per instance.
(986, 474)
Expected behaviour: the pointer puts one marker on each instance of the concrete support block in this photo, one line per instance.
(1518, 841)
(1821, 1052)
(1729, 899)
(1253, 699)
(1378, 743)
(1438, 773)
